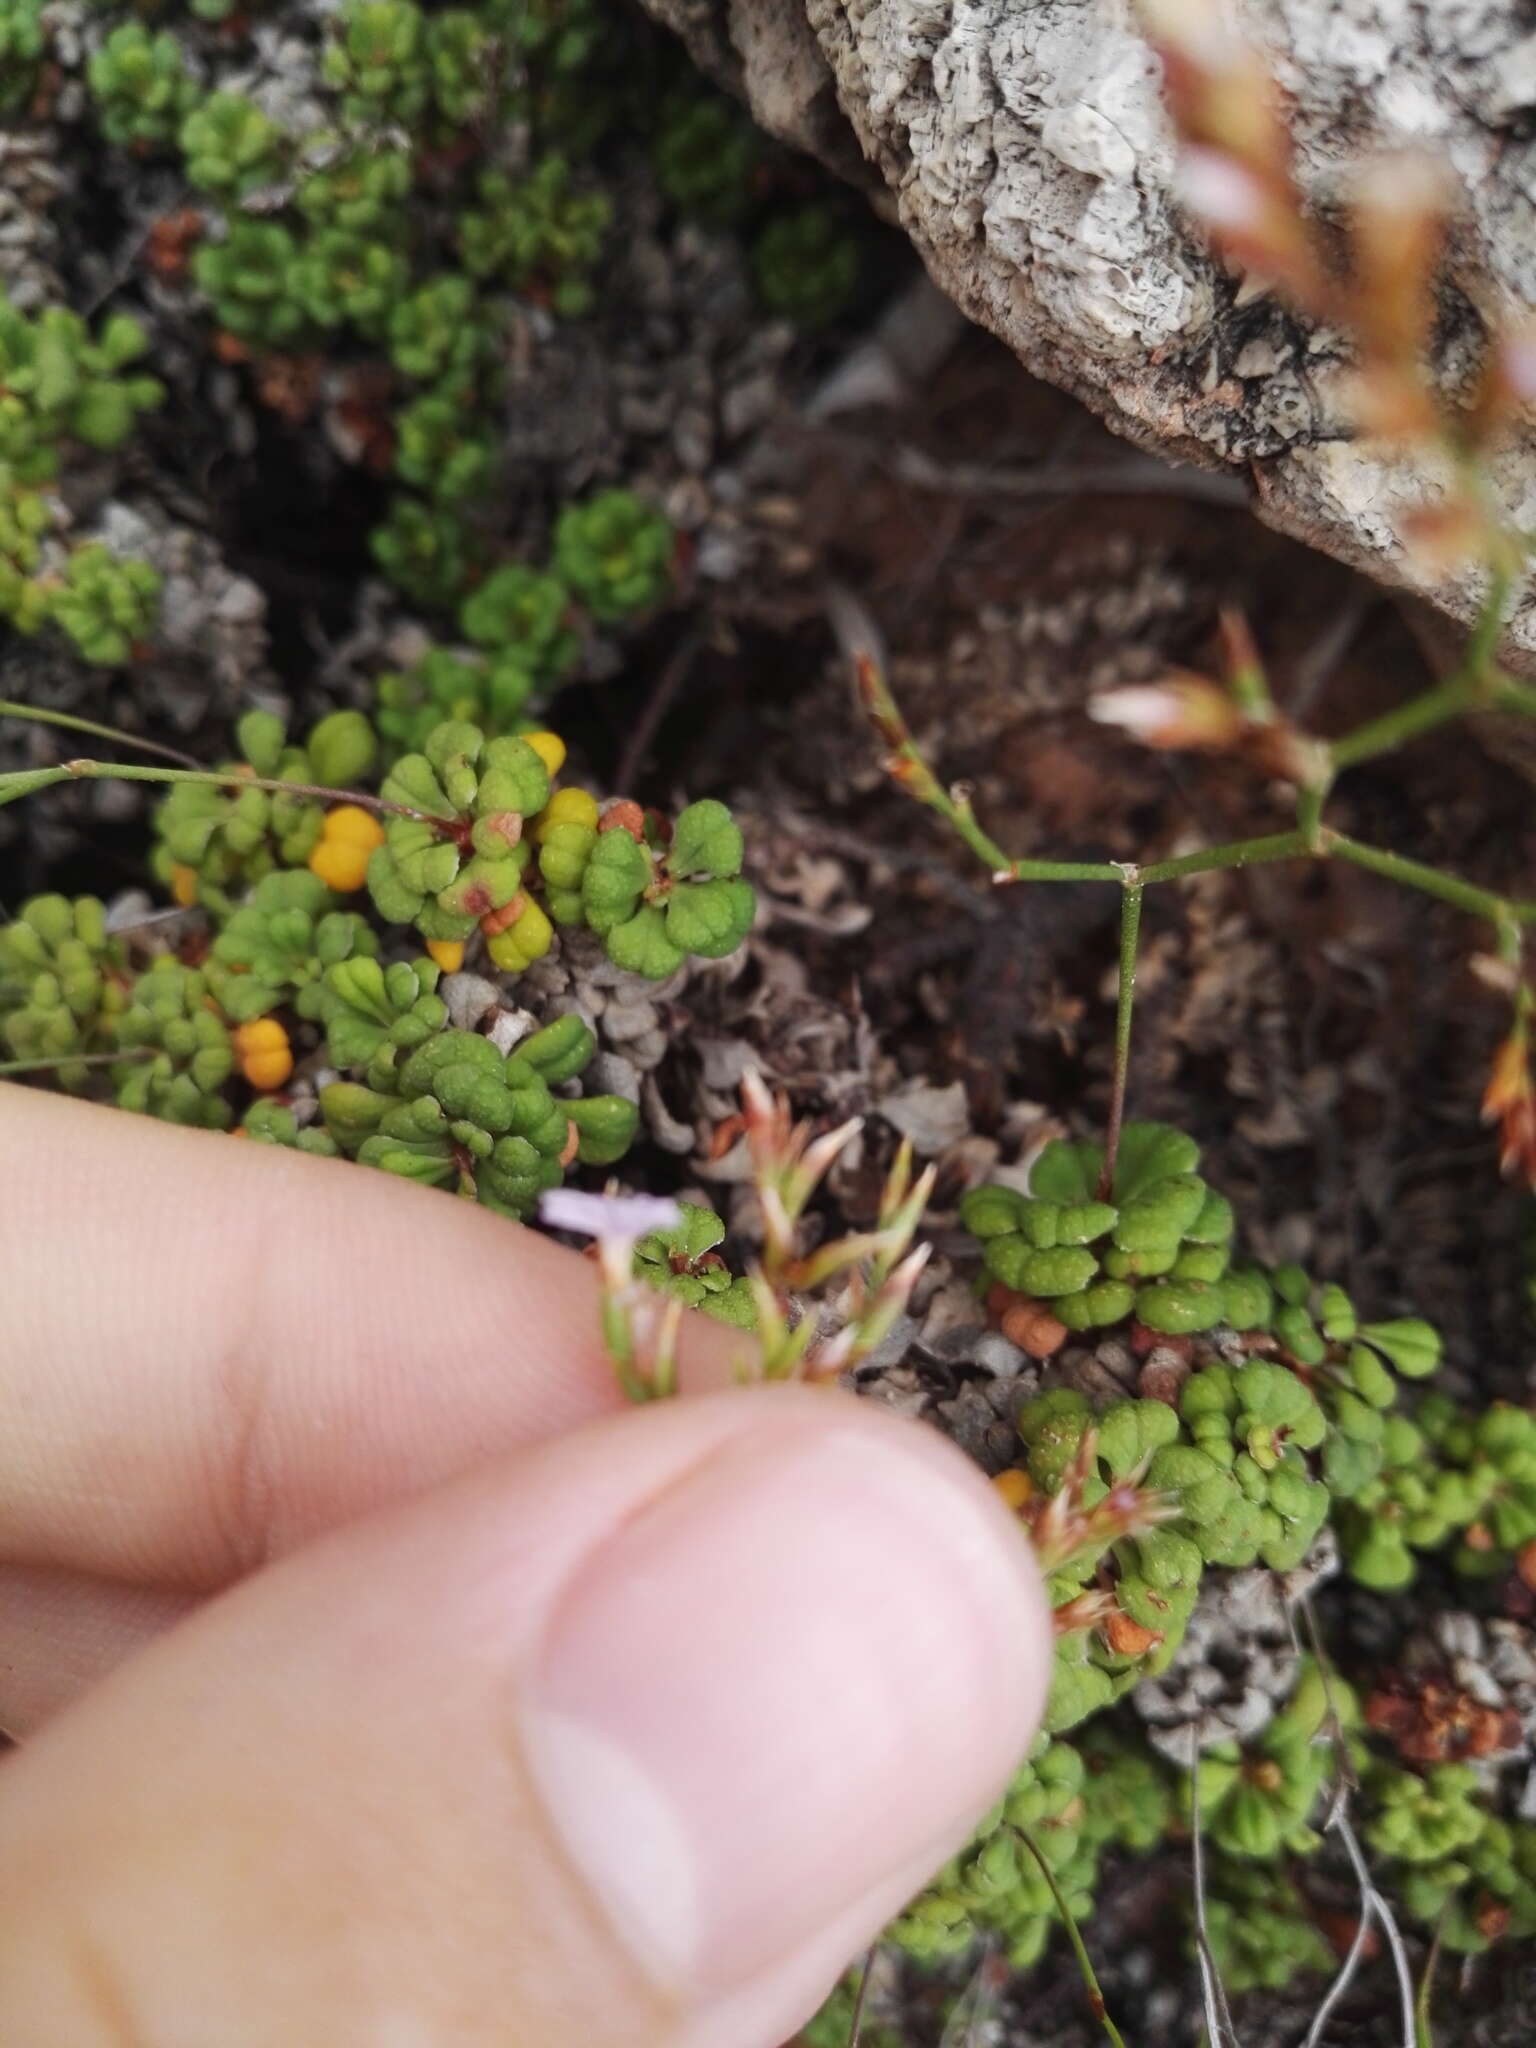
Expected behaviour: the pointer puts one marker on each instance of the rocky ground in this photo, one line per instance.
(1321, 1034)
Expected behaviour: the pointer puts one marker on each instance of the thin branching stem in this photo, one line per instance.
(1130, 929)
(1414, 874)
(70, 723)
(1309, 840)
(28, 781)
(1079, 1950)
(1218, 2014)
(1423, 2029)
(856, 2022)
(1475, 684)
(1385, 1919)
(126, 1057)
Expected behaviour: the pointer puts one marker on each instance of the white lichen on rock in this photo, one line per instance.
(1030, 159)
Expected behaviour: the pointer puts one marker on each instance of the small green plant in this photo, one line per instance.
(172, 1019)
(524, 613)
(23, 45)
(60, 384)
(682, 1261)
(460, 858)
(438, 330)
(373, 1014)
(654, 902)
(251, 281)
(214, 841)
(704, 155)
(141, 87)
(466, 1117)
(340, 278)
(427, 551)
(229, 145)
(377, 60)
(442, 446)
(105, 603)
(463, 55)
(807, 267)
(1260, 1931)
(62, 985)
(1159, 1250)
(615, 553)
(1257, 1803)
(492, 692)
(542, 234)
(360, 194)
(277, 946)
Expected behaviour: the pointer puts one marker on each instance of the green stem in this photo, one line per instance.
(26, 781)
(1424, 2001)
(1237, 853)
(1413, 874)
(907, 767)
(1084, 1960)
(1130, 930)
(70, 723)
(1309, 814)
(1474, 683)
(1513, 696)
(75, 1059)
(1403, 722)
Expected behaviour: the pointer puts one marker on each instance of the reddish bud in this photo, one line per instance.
(623, 815)
(494, 921)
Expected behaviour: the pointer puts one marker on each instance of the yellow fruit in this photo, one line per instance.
(347, 837)
(262, 1048)
(528, 938)
(183, 884)
(549, 747)
(448, 953)
(1013, 1488)
(567, 807)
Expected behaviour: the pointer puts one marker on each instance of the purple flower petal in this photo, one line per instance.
(607, 1216)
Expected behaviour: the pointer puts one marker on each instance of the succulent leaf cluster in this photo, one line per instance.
(1294, 1412)
(273, 967)
(1258, 1801)
(23, 46)
(141, 86)
(486, 1124)
(465, 860)
(684, 1262)
(63, 388)
(62, 984)
(214, 842)
(184, 1050)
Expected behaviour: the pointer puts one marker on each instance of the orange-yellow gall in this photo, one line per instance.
(265, 1056)
(1127, 1638)
(340, 856)
(1013, 1489)
(183, 884)
(550, 749)
(448, 953)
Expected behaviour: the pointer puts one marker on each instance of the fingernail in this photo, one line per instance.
(809, 1663)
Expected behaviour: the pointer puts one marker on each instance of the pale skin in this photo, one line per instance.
(378, 1678)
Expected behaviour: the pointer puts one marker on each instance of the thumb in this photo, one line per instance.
(634, 1738)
